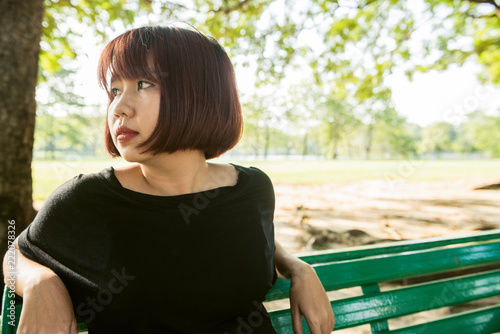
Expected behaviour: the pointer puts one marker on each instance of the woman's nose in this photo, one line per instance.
(123, 107)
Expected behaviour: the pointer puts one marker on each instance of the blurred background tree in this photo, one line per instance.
(357, 46)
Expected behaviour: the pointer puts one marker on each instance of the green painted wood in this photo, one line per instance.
(366, 265)
(3, 316)
(6, 324)
(421, 297)
(344, 274)
(355, 311)
(351, 253)
(482, 321)
(377, 326)
(81, 326)
(282, 322)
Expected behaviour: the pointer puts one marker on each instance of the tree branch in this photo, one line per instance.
(228, 10)
(482, 16)
(367, 3)
(491, 2)
(178, 5)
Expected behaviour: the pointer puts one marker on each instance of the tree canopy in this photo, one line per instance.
(346, 49)
(359, 40)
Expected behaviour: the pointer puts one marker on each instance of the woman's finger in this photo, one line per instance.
(296, 320)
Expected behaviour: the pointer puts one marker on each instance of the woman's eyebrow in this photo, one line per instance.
(114, 80)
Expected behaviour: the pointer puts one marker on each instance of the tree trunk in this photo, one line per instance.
(369, 138)
(350, 149)
(267, 141)
(21, 28)
(51, 135)
(335, 147)
(335, 138)
(304, 145)
(256, 145)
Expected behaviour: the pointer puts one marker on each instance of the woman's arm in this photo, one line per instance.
(27, 273)
(307, 295)
(47, 306)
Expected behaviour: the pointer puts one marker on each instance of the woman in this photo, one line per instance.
(171, 243)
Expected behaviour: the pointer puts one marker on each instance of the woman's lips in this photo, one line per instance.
(126, 136)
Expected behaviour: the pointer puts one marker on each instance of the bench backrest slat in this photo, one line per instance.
(344, 274)
(395, 247)
(484, 320)
(421, 297)
(359, 310)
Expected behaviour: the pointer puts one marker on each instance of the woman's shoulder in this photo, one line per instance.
(75, 193)
(85, 180)
(254, 172)
(230, 173)
(81, 183)
(223, 174)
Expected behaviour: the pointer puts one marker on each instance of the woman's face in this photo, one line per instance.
(132, 115)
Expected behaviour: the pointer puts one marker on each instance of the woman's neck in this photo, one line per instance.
(178, 173)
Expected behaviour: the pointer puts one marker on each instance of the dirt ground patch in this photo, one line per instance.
(338, 215)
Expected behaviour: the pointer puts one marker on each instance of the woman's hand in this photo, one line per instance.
(307, 295)
(308, 298)
(47, 308)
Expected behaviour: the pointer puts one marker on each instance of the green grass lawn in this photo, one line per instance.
(48, 175)
(315, 172)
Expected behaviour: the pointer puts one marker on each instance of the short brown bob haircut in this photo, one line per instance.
(199, 105)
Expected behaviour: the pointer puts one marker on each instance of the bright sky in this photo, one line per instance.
(443, 96)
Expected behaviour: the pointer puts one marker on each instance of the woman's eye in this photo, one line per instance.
(144, 84)
(114, 91)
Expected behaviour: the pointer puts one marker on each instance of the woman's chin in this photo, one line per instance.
(131, 155)
(135, 155)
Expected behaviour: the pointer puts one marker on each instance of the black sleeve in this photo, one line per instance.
(267, 210)
(54, 238)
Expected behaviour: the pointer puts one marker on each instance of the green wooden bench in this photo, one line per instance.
(444, 259)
